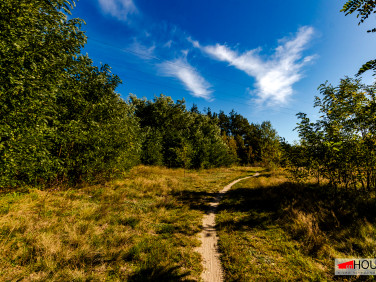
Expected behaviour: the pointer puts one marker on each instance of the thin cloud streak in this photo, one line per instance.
(142, 51)
(120, 9)
(190, 77)
(274, 77)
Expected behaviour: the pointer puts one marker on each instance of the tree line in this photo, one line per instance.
(61, 120)
(250, 143)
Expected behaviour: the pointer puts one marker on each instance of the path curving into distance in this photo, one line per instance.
(213, 271)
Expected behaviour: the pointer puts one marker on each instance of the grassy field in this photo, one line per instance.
(140, 228)
(144, 227)
(272, 230)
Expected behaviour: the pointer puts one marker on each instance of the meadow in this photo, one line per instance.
(142, 227)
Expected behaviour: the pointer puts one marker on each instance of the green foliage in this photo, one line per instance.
(340, 146)
(270, 145)
(37, 43)
(232, 146)
(152, 147)
(177, 137)
(370, 65)
(99, 134)
(60, 118)
(252, 142)
(363, 8)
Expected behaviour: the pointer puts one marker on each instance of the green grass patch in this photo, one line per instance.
(140, 228)
(271, 229)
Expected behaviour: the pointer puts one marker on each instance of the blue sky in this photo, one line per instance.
(264, 59)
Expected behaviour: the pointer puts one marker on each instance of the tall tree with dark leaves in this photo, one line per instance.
(60, 118)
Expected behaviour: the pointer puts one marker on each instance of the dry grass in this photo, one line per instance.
(271, 229)
(139, 228)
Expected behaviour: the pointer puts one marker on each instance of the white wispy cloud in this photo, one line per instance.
(168, 44)
(189, 76)
(274, 76)
(141, 50)
(120, 9)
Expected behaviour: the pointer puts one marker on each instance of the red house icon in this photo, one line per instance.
(346, 265)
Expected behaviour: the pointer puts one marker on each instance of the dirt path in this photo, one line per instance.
(212, 266)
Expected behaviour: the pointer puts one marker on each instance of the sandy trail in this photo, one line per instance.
(209, 251)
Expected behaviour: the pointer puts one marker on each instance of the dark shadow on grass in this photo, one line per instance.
(332, 211)
(196, 200)
(14, 191)
(159, 273)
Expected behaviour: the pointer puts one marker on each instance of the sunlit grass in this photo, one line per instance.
(143, 226)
